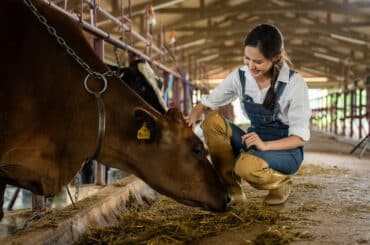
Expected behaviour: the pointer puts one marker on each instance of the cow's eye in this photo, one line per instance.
(197, 151)
(142, 88)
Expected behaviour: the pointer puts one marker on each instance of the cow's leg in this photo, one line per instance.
(2, 190)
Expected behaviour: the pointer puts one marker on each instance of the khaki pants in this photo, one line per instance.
(217, 133)
(256, 172)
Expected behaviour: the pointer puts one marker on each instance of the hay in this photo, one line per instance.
(167, 222)
(274, 236)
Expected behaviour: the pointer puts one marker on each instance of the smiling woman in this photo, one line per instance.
(275, 99)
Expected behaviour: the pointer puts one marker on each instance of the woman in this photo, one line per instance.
(275, 99)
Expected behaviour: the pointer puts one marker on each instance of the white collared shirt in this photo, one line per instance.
(294, 102)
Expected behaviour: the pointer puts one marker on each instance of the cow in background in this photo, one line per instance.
(48, 122)
(141, 78)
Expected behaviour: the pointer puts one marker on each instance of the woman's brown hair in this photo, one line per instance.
(269, 40)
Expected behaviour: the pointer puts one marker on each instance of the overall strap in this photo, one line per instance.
(242, 80)
(281, 86)
(291, 73)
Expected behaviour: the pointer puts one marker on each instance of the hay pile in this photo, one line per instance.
(167, 222)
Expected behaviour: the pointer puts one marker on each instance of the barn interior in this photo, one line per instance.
(192, 46)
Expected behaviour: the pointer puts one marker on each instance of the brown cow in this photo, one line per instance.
(48, 122)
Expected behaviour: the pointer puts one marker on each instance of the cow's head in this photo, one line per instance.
(175, 160)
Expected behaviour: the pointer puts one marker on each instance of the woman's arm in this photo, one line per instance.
(226, 92)
(290, 142)
(195, 114)
(287, 143)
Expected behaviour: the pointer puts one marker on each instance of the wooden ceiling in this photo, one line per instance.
(328, 38)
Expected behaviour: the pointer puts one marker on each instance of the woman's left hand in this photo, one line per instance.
(252, 139)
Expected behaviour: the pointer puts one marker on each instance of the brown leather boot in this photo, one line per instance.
(280, 195)
(217, 133)
(256, 172)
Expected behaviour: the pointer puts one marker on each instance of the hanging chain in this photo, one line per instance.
(118, 60)
(77, 183)
(64, 44)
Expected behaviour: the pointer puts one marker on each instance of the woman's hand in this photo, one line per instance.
(195, 114)
(252, 139)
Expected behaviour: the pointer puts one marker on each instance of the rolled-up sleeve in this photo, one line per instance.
(299, 111)
(225, 93)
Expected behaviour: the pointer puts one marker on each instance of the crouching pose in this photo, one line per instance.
(275, 99)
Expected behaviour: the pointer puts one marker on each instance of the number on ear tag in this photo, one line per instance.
(143, 133)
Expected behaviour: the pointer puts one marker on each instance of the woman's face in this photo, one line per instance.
(258, 65)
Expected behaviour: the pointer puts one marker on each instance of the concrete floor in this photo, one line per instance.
(335, 151)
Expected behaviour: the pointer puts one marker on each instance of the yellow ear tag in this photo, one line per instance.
(143, 133)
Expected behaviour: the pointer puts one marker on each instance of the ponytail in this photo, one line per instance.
(270, 99)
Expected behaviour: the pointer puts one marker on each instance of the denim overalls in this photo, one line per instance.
(267, 125)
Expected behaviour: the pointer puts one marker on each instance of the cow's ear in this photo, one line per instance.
(147, 125)
(176, 115)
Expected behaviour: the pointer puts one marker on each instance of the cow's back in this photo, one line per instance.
(45, 111)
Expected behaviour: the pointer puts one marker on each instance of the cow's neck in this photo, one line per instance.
(51, 124)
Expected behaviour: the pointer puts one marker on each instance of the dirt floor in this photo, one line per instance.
(330, 197)
(329, 204)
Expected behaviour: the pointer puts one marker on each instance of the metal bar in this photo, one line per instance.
(14, 198)
(368, 103)
(336, 111)
(70, 197)
(100, 170)
(161, 42)
(126, 28)
(165, 83)
(176, 93)
(330, 113)
(322, 113)
(98, 45)
(352, 108)
(344, 112)
(106, 36)
(360, 113)
(327, 115)
(38, 203)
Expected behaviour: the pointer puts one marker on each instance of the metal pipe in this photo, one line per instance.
(106, 36)
(122, 25)
(360, 113)
(13, 199)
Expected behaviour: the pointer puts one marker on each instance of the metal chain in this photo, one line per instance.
(64, 44)
(77, 183)
(118, 60)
